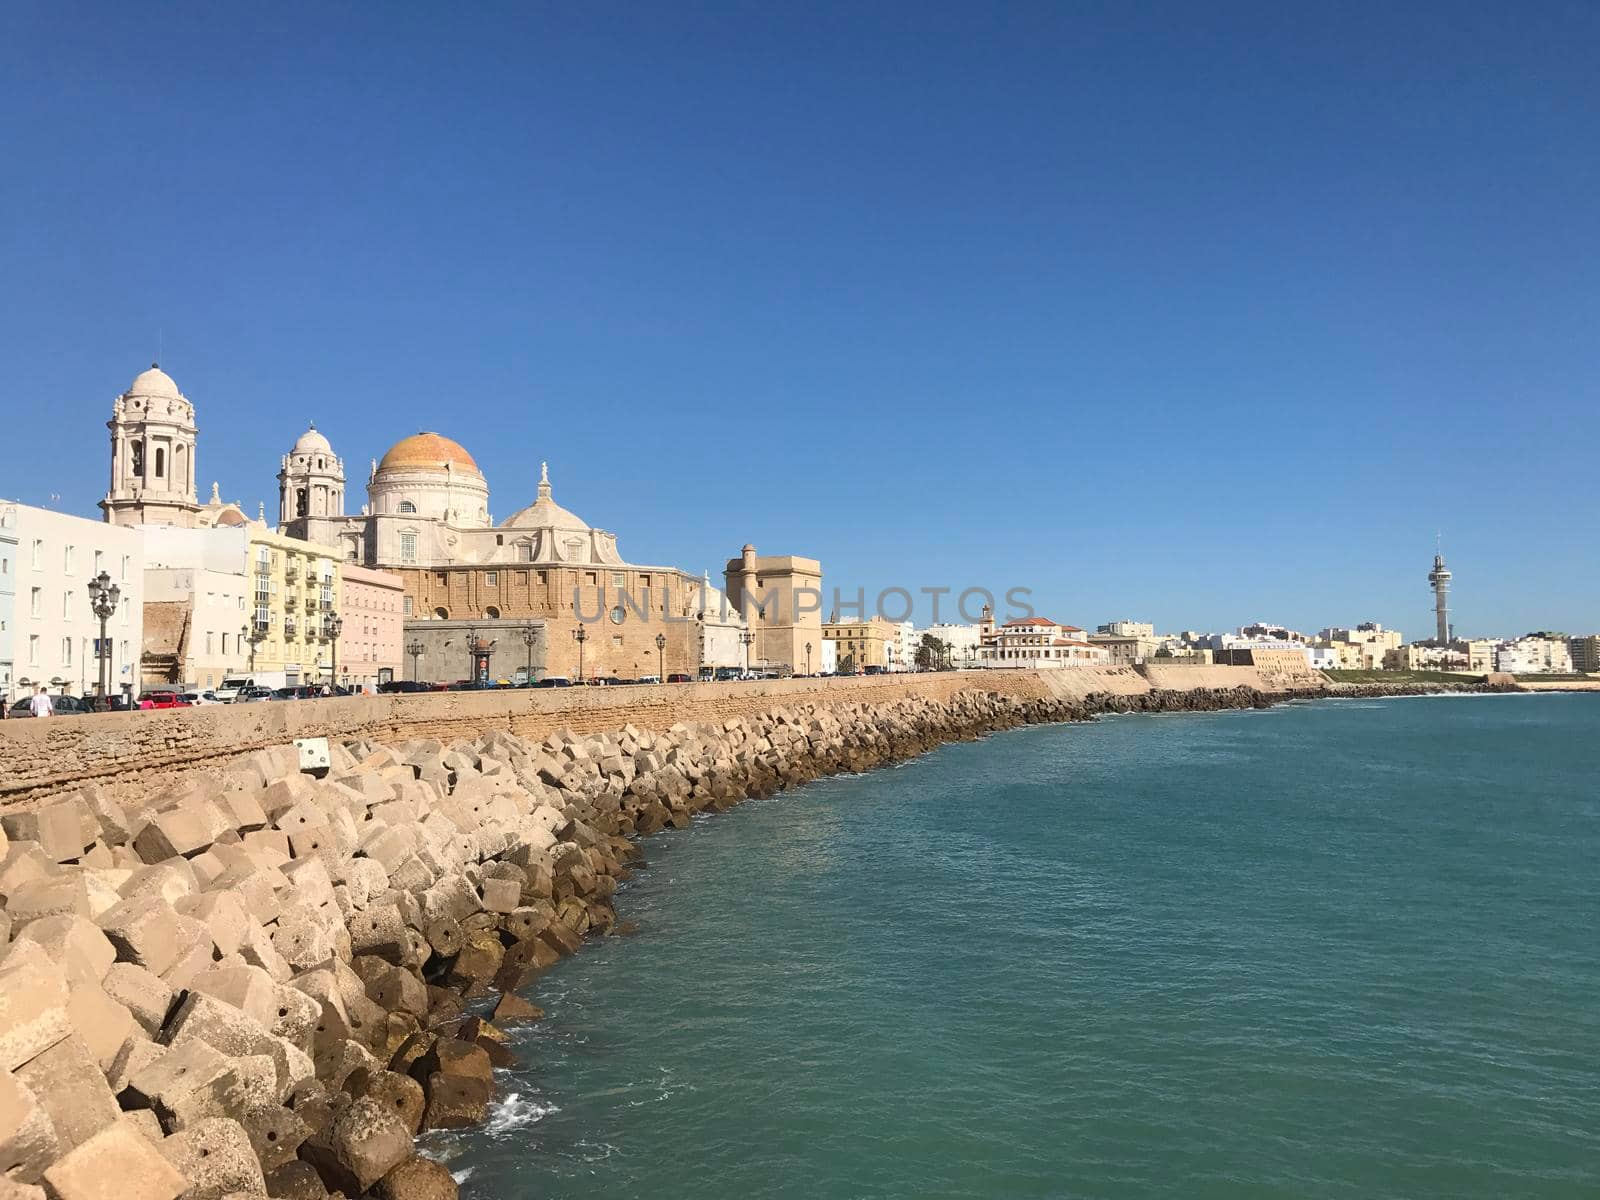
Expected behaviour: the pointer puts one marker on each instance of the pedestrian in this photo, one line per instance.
(40, 705)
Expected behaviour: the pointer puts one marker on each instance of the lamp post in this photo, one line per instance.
(334, 624)
(661, 657)
(808, 658)
(472, 653)
(581, 635)
(414, 648)
(254, 633)
(748, 639)
(103, 596)
(530, 635)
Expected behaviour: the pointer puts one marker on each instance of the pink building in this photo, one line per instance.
(374, 627)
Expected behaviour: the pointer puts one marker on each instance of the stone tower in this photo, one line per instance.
(310, 481)
(1439, 578)
(152, 454)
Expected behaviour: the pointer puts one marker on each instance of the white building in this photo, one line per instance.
(8, 592)
(828, 661)
(197, 596)
(963, 641)
(902, 651)
(1534, 656)
(1038, 643)
(1127, 629)
(53, 632)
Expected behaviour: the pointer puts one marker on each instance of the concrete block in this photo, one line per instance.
(169, 1084)
(216, 1158)
(115, 1164)
(249, 989)
(33, 1005)
(27, 1135)
(72, 1088)
(66, 893)
(169, 881)
(365, 1142)
(76, 943)
(141, 992)
(104, 1025)
(145, 930)
(178, 833)
(223, 915)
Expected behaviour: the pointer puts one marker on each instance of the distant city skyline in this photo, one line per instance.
(1194, 319)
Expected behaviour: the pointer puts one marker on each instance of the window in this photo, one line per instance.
(525, 551)
(224, 645)
(38, 554)
(408, 547)
(33, 649)
(499, 539)
(66, 560)
(618, 579)
(36, 603)
(491, 578)
(522, 576)
(406, 606)
(137, 452)
(208, 641)
(66, 652)
(407, 507)
(66, 606)
(161, 462)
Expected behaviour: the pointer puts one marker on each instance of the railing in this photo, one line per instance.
(291, 571)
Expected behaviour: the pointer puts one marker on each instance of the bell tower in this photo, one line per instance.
(310, 484)
(152, 454)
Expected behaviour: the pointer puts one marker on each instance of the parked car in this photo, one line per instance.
(201, 698)
(679, 677)
(554, 681)
(63, 706)
(286, 693)
(252, 695)
(648, 679)
(162, 699)
(873, 669)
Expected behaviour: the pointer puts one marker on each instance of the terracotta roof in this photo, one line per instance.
(427, 450)
(1028, 621)
(1070, 642)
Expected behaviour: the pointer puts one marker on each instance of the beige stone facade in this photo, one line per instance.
(861, 644)
(781, 598)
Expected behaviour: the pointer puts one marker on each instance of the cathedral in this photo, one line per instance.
(542, 590)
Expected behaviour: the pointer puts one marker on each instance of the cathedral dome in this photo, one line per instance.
(156, 384)
(312, 442)
(424, 450)
(545, 513)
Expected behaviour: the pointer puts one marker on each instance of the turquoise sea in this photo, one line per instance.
(1344, 949)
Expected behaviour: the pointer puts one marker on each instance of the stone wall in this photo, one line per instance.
(124, 750)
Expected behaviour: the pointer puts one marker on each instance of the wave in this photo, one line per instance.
(515, 1113)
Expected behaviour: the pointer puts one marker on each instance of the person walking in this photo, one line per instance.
(40, 705)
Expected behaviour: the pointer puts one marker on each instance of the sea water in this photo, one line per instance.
(1340, 949)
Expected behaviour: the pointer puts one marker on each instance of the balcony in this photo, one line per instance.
(311, 604)
(289, 627)
(291, 571)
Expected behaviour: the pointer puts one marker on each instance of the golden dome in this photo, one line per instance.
(427, 450)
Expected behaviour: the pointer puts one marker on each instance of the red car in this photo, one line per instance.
(162, 700)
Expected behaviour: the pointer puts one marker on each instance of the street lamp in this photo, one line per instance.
(661, 651)
(748, 639)
(808, 658)
(332, 626)
(103, 596)
(255, 633)
(414, 648)
(581, 635)
(530, 635)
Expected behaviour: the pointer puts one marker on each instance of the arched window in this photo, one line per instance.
(138, 459)
(161, 462)
(442, 613)
(492, 613)
(407, 507)
(300, 502)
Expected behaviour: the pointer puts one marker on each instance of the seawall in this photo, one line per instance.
(129, 751)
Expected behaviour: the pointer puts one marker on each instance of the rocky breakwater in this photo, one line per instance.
(263, 980)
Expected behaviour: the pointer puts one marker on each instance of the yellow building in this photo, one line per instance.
(861, 644)
(295, 591)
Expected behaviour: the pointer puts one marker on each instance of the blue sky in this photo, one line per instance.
(1196, 314)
